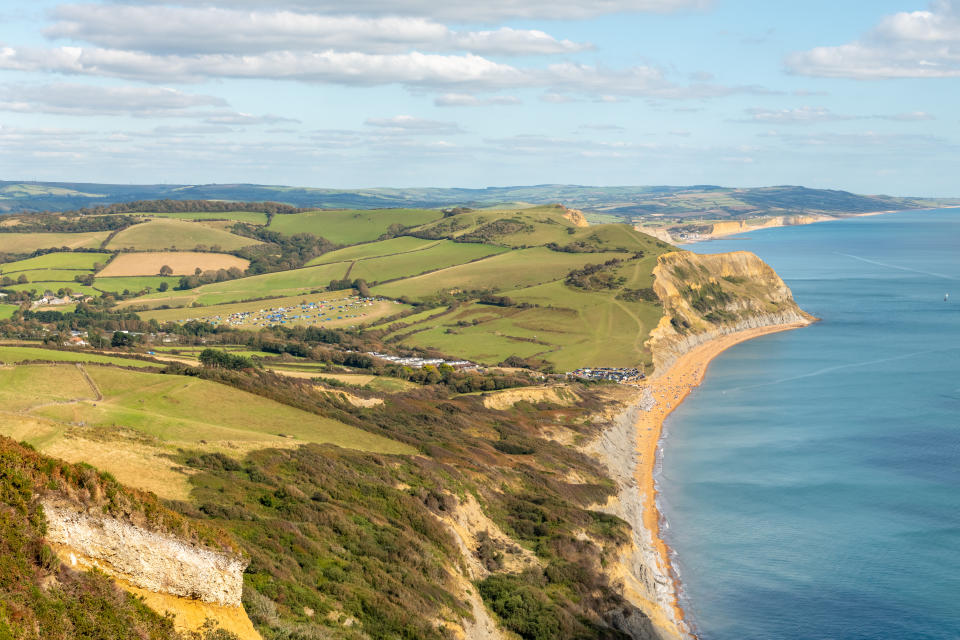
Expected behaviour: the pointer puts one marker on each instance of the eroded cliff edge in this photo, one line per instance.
(144, 558)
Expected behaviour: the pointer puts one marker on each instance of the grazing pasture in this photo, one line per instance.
(250, 217)
(268, 285)
(173, 234)
(520, 268)
(54, 285)
(438, 256)
(188, 411)
(132, 283)
(17, 354)
(30, 242)
(129, 423)
(61, 260)
(393, 246)
(7, 310)
(351, 227)
(182, 263)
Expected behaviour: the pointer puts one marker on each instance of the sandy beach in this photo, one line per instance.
(669, 388)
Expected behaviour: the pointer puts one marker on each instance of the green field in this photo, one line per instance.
(7, 310)
(133, 283)
(351, 227)
(48, 275)
(16, 354)
(54, 285)
(438, 256)
(251, 217)
(390, 247)
(30, 242)
(520, 268)
(60, 260)
(279, 284)
(181, 410)
(172, 234)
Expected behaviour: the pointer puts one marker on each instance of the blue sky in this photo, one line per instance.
(843, 94)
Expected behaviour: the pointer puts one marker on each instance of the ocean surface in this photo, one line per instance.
(811, 485)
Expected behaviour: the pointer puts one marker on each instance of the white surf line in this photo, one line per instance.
(850, 365)
(893, 266)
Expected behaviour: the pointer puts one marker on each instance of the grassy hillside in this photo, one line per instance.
(19, 243)
(153, 415)
(175, 234)
(351, 227)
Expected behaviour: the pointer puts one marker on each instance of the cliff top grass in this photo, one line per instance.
(84, 414)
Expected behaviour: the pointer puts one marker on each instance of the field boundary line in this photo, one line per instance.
(93, 385)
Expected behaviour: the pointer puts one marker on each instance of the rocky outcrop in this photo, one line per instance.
(706, 296)
(143, 558)
(576, 217)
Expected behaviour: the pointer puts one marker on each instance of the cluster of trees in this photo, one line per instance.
(645, 294)
(493, 230)
(360, 285)
(217, 358)
(443, 229)
(179, 206)
(457, 381)
(200, 277)
(66, 223)
(594, 277)
(281, 252)
(6, 281)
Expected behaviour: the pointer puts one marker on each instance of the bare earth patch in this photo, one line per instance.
(182, 262)
(502, 400)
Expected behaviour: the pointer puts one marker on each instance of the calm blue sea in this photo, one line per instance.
(812, 484)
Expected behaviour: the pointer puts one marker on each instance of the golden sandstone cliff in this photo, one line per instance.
(706, 296)
(706, 231)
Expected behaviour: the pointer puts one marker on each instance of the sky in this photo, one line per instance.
(841, 94)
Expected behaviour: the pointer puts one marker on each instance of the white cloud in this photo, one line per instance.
(211, 30)
(917, 44)
(412, 125)
(456, 73)
(867, 142)
(469, 10)
(912, 116)
(815, 115)
(801, 115)
(470, 100)
(90, 100)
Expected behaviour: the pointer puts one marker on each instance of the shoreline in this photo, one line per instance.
(669, 388)
(826, 218)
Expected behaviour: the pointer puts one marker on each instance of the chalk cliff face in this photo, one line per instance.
(144, 558)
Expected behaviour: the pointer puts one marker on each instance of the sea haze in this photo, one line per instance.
(811, 485)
